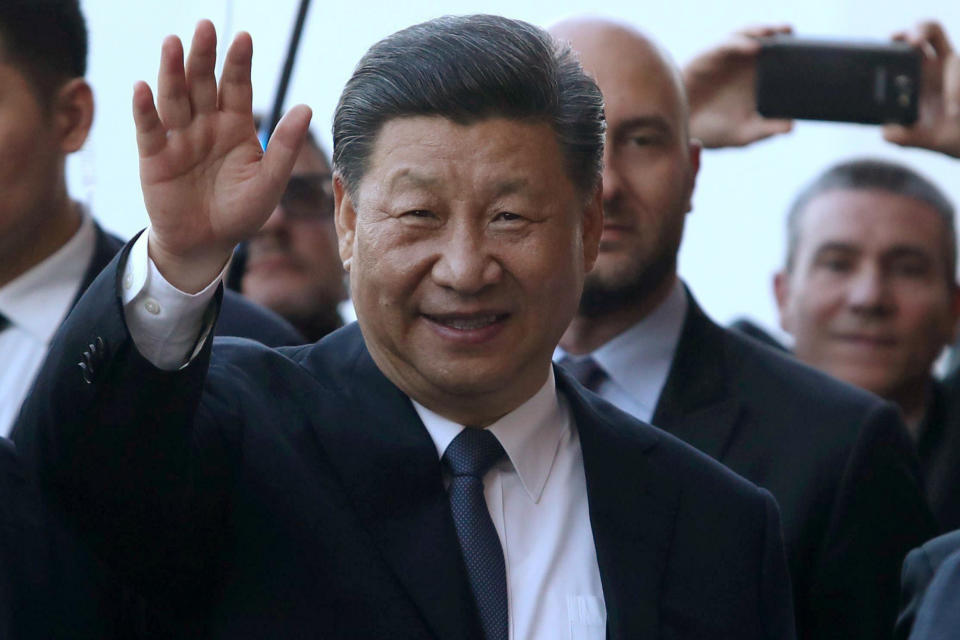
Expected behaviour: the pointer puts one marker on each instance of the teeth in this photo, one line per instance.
(468, 324)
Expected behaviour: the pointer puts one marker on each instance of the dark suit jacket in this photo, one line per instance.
(45, 586)
(107, 610)
(938, 615)
(296, 494)
(939, 450)
(837, 459)
(918, 572)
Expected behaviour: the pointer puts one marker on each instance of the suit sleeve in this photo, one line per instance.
(776, 598)
(878, 515)
(115, 446)
(938, 615)
(917, 573)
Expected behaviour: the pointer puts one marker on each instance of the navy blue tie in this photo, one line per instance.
(468, 458)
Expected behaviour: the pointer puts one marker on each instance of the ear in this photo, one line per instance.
(345, 219)
(781, 291)
(592, 227)
(694, 147)
(73, 114)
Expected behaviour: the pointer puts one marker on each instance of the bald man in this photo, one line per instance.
(838, 460)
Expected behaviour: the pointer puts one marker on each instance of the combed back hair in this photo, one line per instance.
(869, 174)
(44, 39)
(467, 69)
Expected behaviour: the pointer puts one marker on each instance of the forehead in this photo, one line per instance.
(435, 152)
(871, 220)
(635, 77)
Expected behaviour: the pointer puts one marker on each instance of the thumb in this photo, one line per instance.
(284, 147)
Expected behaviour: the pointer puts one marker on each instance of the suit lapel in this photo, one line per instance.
(391, 470)
(695, 404)
(105, 248)
(632, 513)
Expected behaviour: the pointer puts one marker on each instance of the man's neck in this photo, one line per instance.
(587, 334)
(24, 249)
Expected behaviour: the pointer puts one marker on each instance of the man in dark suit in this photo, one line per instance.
(919, 569)
(425, 473)
(837, 460)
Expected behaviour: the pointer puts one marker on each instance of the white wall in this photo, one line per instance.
(734, 239)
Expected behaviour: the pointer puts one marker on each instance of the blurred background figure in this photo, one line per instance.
(292, 266)
(868, 293)
(838, 460)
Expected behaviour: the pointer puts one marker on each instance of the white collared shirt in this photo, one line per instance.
(637, 362)
(537, 496)
(35, 303)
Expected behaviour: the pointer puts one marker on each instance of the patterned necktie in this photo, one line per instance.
(468, 458)
(586, 370)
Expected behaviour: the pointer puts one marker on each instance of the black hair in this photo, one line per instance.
(44, 39)
(466, 69)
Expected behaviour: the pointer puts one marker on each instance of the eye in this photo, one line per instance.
(418, 213)
(640, 141)
(507, 216)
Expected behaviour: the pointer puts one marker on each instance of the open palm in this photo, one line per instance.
(206, 183)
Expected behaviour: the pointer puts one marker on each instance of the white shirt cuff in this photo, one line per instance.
(166, 324)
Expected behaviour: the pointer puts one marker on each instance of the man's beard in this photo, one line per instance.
(604, 296)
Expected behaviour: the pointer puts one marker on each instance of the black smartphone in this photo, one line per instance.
(839, 81)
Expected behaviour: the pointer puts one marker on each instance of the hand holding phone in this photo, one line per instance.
(720, 88)
(938, 123)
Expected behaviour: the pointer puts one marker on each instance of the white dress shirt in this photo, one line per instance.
(35, 303)
(637, 362)
(537, 495)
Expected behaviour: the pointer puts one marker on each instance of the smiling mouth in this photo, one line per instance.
(467, 322)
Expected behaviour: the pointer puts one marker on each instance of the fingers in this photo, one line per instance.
(151, 134)
(236, 92)
(173, 100)
(200, 80)
(933, 33)
(284, 146)
(765, 31)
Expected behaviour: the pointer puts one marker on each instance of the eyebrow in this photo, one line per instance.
(415, 179)
(896, 251)
(643, 122)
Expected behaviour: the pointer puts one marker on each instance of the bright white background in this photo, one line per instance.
(734, 239)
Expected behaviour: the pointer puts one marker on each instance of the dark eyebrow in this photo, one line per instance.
(839, 247)
(907, 251)
(658, 123)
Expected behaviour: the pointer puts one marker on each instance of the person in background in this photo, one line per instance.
(291, 265)
(838, 460)
(51, 248)
(869, 295)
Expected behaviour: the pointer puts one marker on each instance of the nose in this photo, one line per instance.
(869, 293)
(465, 263)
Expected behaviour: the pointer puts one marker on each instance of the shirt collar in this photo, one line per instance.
(639, 359)
(38, 300)
(530, 434)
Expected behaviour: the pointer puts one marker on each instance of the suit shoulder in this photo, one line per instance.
(759, 363)
(242, 318)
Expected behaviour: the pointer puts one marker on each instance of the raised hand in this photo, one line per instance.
(206, 182)
(938, 122)
(721, 88)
